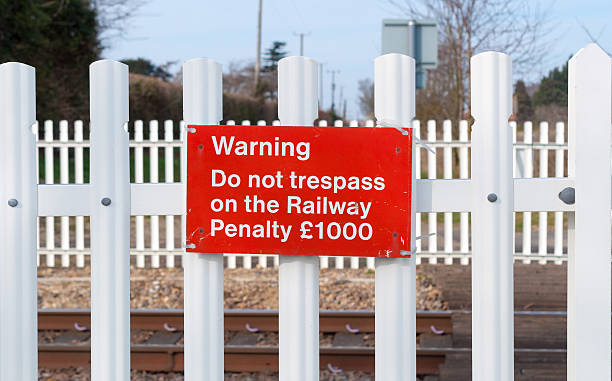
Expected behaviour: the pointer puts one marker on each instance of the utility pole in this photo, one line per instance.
(333, 88)
(301, 41)
(321, 86)
(258, 56)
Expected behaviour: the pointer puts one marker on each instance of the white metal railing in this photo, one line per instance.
(491, 194)
(157, 238)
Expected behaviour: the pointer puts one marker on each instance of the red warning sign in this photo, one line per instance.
(335, 191)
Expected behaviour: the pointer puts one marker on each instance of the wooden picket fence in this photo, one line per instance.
(492, 194)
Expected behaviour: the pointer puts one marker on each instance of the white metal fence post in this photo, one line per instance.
(18, 223)
(588, 291)
(202, 104)
(110, 221)
(298, 280)
(492, 207)
(395, 289)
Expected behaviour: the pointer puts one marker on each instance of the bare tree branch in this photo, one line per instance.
(519, 28)
(114, 14)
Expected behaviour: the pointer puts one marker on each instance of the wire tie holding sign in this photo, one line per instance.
(398, 126)
(425, 236)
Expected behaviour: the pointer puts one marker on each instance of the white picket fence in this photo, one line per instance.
(491, 194)
(156, 244)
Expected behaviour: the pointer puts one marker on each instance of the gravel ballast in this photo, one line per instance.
(243, 289)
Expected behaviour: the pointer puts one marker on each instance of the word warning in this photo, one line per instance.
(335, 191)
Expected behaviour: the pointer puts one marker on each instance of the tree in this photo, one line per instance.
(522, 103)
(239, 78)
(60, 39)
(146, 67)
(274, 54)
(366, 98)
(268, 81)
(467, 27)
(553, 88)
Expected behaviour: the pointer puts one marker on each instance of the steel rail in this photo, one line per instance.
(169, 358)
(241, 320)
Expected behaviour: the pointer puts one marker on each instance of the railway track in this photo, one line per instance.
(443, 336)
(168, 356)
(242, 320)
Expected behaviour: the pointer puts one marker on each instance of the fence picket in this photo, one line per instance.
(464, 232)
(339, 261)
(395, 287)
(588, 291)
(559, 172)
(79, 179)
(38, 219)
(110, 222)
(324, 259)
(416, 130)
(298, 276)
(169, 178)
(247, 259)
(18, 211)
(492, 199)
(202, 104)
(49, 179)
(448, 174)
(432, 218)
(65, 220)
(154, 178)
(139, 178)
(543, 216)
(231, 258)
(516, 171)
(527, 160)
(183, 169)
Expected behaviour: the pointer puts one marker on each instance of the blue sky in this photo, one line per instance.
(344, 34)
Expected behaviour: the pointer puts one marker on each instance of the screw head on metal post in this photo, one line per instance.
(13, 202)
(106, 201)
(568, 195)
(492, 197)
